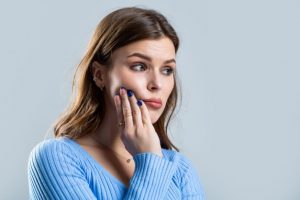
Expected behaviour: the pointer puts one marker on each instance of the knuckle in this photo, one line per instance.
(134, 112)
(126, 111)
(128, 114)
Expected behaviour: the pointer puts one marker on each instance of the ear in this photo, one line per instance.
(99, 73)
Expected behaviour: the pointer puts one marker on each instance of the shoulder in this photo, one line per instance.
(53, 166)
(183, 161)
(51, 151)
(184, 164)
(186, 175)
(49, 146)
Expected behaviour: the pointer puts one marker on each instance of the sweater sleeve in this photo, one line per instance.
(152, 177)
(54, 173)
(191, 186)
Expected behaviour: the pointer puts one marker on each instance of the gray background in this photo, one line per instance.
(239, 67)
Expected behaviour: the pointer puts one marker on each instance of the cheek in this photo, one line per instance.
(134, 81)
(114, 83)
(169, 86)
(127, 79)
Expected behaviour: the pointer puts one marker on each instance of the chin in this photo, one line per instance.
(154, 121)
(154, 117)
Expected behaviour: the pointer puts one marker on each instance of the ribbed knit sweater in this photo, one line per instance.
(60, 168)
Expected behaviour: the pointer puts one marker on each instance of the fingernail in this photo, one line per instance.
(122, 90)
(129, 93)
(139, 102)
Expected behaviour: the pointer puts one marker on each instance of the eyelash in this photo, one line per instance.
(141, 64)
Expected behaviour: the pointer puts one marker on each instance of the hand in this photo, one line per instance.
(138, 133)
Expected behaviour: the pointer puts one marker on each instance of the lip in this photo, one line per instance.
(154, 103)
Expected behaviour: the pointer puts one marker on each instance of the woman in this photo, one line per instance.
(112, 142)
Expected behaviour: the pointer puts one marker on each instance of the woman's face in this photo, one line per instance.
(147, 68)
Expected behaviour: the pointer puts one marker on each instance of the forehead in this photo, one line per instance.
(160, 50)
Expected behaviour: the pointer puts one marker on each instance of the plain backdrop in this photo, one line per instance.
(239, 67)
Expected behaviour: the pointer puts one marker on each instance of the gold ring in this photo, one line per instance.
(121, 123)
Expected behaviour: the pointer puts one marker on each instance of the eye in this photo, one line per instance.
(138, 66)
(169, 71)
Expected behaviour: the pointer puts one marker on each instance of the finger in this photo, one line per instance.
(136, 112)
(117, 100)
(144, 112)
(127, 114)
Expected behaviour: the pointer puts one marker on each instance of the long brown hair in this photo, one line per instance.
(121, 27)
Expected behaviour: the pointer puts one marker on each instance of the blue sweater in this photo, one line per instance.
(61, 169)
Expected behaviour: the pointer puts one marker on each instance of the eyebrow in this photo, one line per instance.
(148, 58)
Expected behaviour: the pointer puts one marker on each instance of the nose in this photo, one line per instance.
(154, 82)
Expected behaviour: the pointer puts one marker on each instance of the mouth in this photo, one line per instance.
(153, 104)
